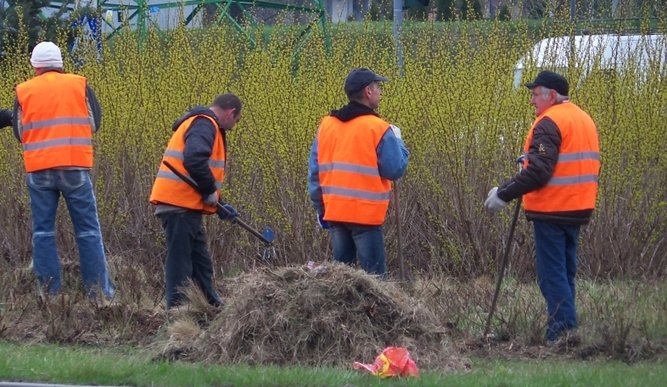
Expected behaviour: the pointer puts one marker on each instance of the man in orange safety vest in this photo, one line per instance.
(55, 116)
(198, 150)
(355, 156)
(559, 184)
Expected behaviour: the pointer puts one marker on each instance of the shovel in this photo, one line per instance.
(267, 235)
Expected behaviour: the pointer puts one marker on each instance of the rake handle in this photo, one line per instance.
(499, 281)
(188, 180)
(398, 232)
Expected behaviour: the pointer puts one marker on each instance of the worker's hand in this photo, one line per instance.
(212, 198)
(396, 130)
(227, 212)
(323, 223)
(493, 203)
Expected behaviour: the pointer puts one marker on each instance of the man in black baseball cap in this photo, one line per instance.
(550, 80)
(354, 157)
(558, 185)
(359, 78)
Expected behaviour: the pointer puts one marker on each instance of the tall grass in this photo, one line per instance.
(462, 120)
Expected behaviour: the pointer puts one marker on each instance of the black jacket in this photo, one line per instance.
(351, 111)
(5, 118)
(542, 156)
(199, 139)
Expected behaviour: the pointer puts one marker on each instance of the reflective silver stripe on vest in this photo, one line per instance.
(349, 167)
(168, 175)
(216, 164)
(577, 156)
(58, 142)
(179, 155)
(172, 176)
(573, 180)
(356, 193)
(173, 153)
(56, 122)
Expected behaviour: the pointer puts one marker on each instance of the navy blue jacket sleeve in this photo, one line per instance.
(392, 156)
(198, 148)
(314, 188)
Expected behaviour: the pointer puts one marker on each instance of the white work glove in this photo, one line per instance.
(212, 198)
(396, 130)
(493, 203)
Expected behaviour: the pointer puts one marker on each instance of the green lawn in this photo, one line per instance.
(57, 364)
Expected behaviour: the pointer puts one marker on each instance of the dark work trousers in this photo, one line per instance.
(351, 241)
(556, 255)
(187, 256)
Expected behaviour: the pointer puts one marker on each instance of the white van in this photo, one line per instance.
(618, 53)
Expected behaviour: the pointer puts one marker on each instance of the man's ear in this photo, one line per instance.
(367, 90)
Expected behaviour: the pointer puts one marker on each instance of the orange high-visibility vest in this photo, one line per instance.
(574, 183)
(56, 125)
(352, 189)
(170, 189)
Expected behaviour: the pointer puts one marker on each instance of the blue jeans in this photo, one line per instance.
(350, 241)
(45, 188)
(187, 257)
(556, 256)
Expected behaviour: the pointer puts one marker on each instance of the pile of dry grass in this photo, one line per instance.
(331, 315)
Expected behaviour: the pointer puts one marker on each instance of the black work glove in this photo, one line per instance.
(227, 212)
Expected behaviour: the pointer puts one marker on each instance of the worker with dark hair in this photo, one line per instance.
(197, 149)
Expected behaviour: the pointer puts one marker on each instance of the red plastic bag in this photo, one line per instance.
(393, 361)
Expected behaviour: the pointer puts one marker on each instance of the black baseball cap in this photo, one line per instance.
(550, 80)
(359, 78)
